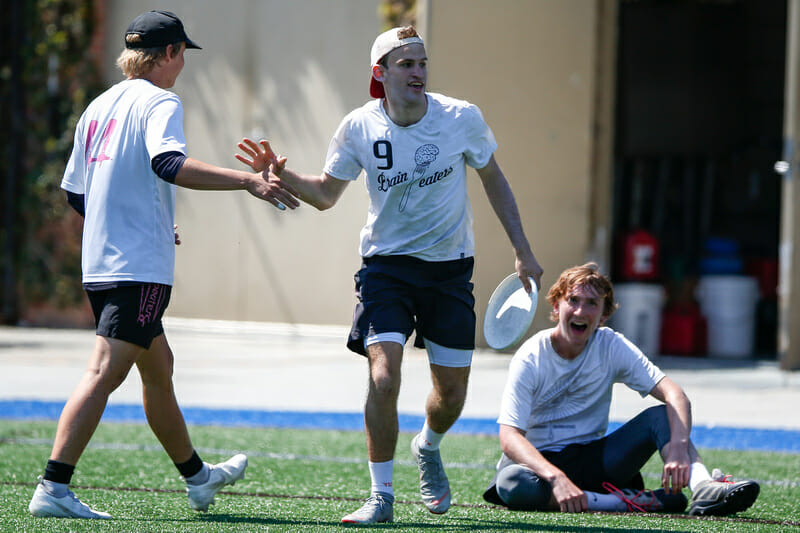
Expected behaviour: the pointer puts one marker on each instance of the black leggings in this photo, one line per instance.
(616, 458)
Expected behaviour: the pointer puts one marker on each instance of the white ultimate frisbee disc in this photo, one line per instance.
(509, 313)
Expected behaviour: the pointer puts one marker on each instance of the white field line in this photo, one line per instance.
(118, 446)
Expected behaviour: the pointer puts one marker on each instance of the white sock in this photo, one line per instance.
(381, 475)
(428, 439)
(59, 490)
(200, 477)
(697, 474)
(605, 502)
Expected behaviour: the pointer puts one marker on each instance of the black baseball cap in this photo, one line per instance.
(156, 29)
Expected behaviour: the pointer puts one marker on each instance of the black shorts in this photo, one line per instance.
(583, 464)
(403, 294)
(130, 313)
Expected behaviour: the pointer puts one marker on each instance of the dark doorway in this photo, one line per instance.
(698, 130)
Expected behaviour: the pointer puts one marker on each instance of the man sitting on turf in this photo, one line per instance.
(554, 415)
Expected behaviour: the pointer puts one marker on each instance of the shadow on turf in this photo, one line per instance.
(469, 524)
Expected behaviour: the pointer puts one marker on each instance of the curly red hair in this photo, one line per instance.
(588, 274)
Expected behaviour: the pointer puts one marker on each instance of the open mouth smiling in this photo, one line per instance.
(578, 327)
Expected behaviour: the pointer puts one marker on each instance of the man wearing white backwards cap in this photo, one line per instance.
(417, 247)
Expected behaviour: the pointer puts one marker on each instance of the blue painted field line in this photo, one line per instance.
(724, 438)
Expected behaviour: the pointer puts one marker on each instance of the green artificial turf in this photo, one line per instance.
(302, 480)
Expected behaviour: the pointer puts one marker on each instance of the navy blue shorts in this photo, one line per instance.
(130, 313)
(404, 294)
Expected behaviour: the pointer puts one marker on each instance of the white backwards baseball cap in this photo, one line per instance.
(385, 43)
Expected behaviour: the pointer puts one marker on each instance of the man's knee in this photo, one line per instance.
(110, 363)
(384, 380)
(385, 384)
(659, 426)
(657, 413)
(521, 489)
(659, 423)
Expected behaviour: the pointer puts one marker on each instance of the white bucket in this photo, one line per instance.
(729, 305)
(639, 314)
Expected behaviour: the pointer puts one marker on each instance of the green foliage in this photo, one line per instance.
(397, 13)
(59, 77)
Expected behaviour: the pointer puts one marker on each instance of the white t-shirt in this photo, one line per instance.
(128, 230)
(416, 176)
(559, 402)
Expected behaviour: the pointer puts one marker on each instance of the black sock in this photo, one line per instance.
(190, 467)
(58, 472)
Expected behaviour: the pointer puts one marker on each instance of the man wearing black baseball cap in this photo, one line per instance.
(156, 29)
(128, 155)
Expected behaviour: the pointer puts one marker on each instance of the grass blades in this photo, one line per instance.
(302, 480)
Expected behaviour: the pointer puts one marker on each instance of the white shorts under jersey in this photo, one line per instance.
(416, 176)
(559, 402)
(128, 231)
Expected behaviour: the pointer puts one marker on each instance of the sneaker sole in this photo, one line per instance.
(232, 482)
(60, 513)
(737, 500)
(344, 521)
(435, 505)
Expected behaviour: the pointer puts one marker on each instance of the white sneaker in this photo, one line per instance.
(377, 509)
(68, 506)
(227, 473)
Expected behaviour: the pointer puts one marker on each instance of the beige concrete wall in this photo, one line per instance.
(291, 70)
(288, 71)
(529, 65)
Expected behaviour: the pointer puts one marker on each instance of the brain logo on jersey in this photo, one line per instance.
(423, 157)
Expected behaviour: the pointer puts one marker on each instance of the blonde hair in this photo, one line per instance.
(588, 275)
(138, 62)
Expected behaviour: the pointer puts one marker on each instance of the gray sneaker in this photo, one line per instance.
(433, 484)
(68, 506)
(220, 475)
(378, 508)
(722, 496)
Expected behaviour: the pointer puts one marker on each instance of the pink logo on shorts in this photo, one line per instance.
(149, 303)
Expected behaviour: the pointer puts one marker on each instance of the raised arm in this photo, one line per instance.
(505, 207)
(680, 453)
(321, 191)
(568, 497)
(197, 175)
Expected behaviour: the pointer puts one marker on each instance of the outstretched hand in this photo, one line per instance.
(263, 159)
(261, 156)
